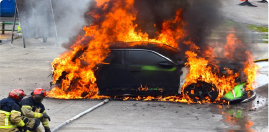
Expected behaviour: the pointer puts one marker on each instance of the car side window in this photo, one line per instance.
(144, 58)
(115, 57)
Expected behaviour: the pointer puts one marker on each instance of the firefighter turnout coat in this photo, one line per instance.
(32, 109)
(10, 115)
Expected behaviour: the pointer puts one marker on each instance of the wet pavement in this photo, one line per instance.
(246, 117)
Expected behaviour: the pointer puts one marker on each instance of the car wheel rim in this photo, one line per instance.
(201, 91)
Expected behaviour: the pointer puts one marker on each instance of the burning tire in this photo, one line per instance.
(201, 91)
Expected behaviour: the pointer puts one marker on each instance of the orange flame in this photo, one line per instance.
(118, 26)
(200, 71)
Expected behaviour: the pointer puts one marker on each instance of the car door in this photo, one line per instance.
(153, 70)
(113, 78)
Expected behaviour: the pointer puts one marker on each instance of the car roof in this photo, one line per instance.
(163, 49)
(140, 45)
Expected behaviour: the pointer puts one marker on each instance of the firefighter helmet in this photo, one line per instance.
(39, 91)
(17, 94)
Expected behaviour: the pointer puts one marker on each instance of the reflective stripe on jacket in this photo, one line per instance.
(4, 120)
(10, 119)
(45, 121)
(27, 111)
(32, 109)
(10, 114)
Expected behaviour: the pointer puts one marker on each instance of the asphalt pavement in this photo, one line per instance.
(246, 14)
(29, 68)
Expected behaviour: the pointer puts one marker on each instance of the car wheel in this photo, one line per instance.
(201, 91)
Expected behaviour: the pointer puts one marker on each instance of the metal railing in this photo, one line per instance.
(3, 25)
(251, 36)
(262, 37)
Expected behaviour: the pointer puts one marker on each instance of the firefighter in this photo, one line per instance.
(10, 112)
(32, 107)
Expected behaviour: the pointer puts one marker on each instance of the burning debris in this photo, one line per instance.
(183, 25)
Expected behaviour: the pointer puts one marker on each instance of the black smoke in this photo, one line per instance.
(200, 18)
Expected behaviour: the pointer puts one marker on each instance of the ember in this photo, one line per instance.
(114, 21)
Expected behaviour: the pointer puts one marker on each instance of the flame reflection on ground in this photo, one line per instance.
(235, 117)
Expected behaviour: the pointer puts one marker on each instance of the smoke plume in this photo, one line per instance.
(39, 17)
(200, 17)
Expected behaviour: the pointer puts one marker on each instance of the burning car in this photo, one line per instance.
(149, 69)
(113, 56)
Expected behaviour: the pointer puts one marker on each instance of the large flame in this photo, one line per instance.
(200, 71)
(75, 68)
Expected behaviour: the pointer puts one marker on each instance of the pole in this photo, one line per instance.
(23, 40)
(79, 115)
(252, 36)
(56, 33)
(14, 22)
(3, 27)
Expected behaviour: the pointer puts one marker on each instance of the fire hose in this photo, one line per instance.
(261, 60)
(79, 115)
